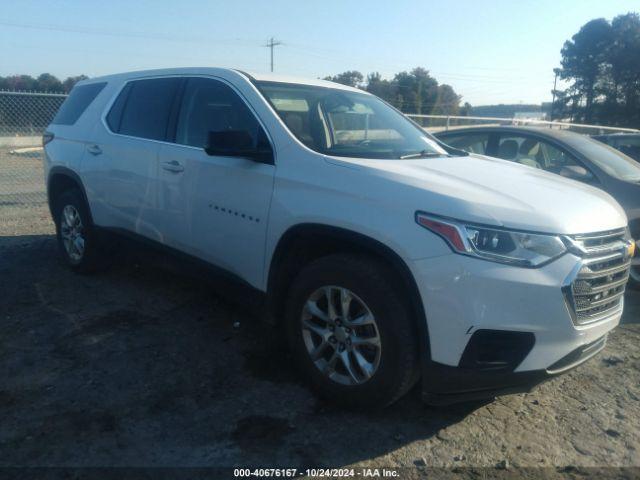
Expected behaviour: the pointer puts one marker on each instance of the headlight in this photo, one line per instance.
(499, 245)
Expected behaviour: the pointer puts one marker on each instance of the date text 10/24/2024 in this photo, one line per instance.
(315, 473)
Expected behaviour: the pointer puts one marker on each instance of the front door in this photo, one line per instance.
(215, 208)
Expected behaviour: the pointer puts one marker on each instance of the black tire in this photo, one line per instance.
(373, 283)
(91, 258)
(634, 278)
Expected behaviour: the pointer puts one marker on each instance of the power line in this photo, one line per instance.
(296, 49)
(499, 78)
(237, 42)
(272, 43)
(121, 33)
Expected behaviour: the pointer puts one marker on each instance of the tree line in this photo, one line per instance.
(42, 83)
(411, 92)
(602, 64)
(415, 91)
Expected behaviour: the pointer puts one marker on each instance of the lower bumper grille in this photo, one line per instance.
(598, 288)
(579, 355)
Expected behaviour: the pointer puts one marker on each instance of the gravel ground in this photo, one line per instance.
(142, 365)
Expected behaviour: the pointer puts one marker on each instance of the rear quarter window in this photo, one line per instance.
(115, 114)
(76, 103)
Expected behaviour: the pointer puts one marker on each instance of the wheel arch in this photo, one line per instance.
(61, 179)
(303, 243)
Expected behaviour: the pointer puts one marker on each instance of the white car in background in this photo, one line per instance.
(382, 255)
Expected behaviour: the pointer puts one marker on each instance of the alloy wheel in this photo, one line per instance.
(71, 231)
(341, 335)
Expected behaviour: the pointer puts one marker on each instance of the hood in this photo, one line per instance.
(491, 191)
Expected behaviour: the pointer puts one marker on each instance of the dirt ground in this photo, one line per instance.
(144, 366)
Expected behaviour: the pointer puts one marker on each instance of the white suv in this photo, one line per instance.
(386, 256)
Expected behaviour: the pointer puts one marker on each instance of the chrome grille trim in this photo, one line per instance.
(579, 289)
(597, 287)
(591, 304)
(598, 236)
(587, 245)
(588, 273)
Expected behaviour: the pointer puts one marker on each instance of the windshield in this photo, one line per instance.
(347, 124)
(612, 161)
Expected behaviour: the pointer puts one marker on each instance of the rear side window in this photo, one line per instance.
(77, 102)
(145, 108)
(115, 114)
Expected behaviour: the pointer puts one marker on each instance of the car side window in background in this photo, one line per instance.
(147, 108)
(76, 103)
(211, 106)
(476, 143)
(629, 146)
(534, 153)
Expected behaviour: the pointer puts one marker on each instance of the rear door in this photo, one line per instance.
(215, 207)
(122, 165)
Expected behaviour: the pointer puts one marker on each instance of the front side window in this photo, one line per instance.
(347, 124)
(475, 143)
(211, 106)
(534, 152)
(143, 108)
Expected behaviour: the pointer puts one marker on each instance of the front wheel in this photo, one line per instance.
(351, 331)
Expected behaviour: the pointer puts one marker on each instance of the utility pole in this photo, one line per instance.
(553, 101)
(272, 43)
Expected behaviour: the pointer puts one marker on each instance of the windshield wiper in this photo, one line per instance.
(422, 154)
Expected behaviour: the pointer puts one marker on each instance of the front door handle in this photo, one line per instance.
(94, 150)
(172, 166)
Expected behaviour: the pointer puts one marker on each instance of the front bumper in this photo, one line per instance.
(448, 385)
(464, 296)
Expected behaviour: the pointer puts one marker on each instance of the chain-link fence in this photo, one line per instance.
(25, 115)
(23, 118)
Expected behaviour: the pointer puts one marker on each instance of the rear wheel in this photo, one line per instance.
(76, 237)
(351, 331)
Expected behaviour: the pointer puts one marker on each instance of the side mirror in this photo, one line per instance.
(238, 143)
(576, 172)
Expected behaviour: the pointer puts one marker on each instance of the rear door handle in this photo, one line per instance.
(94, 150)
(172, 166)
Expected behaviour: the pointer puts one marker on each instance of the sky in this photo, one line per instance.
(490, 51)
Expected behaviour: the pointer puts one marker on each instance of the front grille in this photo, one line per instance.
(598, 288)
